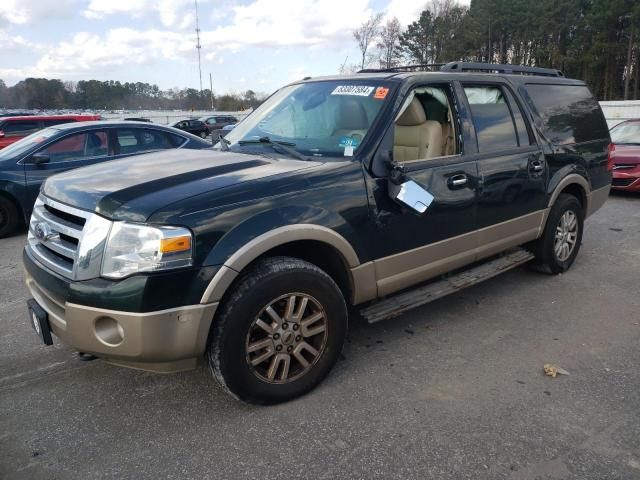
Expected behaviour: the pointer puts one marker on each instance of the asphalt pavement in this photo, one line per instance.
(451, 390)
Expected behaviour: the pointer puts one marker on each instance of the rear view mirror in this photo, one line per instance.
(40, 158)
(412, 195)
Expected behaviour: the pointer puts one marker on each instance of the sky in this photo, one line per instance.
(246, 44)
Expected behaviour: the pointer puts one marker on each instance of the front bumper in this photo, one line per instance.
(628, 180)
(165, 340)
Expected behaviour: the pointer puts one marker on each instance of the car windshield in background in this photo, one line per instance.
(21, 146)
(626, 133)
(318, 119)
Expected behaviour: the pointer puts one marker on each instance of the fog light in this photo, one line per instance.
(109, 331)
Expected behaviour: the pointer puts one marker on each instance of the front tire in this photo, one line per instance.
(559, 245)
(279, 333)
(9, 217)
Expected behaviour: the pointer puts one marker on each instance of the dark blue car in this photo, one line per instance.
(27, 163)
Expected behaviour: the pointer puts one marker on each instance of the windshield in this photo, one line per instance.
(318, 119)
(626, 133)
(21, 146)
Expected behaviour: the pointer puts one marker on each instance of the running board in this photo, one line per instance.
(400, 303)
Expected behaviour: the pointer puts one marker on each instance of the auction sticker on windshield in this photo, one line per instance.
(358, 90)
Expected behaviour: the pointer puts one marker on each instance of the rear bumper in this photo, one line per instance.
(161, 341)
(596, 199)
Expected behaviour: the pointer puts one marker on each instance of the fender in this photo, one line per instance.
(279, 236)
(559, 183)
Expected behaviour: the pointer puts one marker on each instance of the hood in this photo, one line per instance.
(133, 188)
(626, 154)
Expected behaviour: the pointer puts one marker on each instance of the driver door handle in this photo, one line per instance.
(457, 181)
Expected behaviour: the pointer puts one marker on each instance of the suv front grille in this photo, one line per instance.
(67, 240)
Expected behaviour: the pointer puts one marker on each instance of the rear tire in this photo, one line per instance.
(559, 245)
(278, 333)
(9, 217)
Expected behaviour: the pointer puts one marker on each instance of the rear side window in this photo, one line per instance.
(57, 121)
(569, 114)
(20, 127)
(141, 140)
(492, 118)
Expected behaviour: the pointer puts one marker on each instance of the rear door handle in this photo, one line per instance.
(457, 181)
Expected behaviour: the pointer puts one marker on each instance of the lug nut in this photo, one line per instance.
(285, 326)
(298, 338)
(296, 326)
(278, 347)
(289, 349)
(276, 336)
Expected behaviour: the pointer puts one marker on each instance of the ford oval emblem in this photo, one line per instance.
(43, 232)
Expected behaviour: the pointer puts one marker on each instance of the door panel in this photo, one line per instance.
(510, 165)
(415, 247)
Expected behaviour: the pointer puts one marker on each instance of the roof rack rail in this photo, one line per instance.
(500, 68)
(420, 67)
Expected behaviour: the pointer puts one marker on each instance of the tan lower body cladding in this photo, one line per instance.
(402, 270)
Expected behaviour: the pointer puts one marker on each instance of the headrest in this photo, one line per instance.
(413, 115)
(351, 115)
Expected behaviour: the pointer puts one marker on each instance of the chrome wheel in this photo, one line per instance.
(566, 236)
(287, 338)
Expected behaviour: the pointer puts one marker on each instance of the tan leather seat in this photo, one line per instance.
(415, 136)
(447, 140)
(351, 120)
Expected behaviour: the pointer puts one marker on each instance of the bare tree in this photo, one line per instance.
(389, 43)
(365, 35)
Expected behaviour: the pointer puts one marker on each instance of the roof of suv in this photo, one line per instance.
(474, 71)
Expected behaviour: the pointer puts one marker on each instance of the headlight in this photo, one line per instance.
(133, 248)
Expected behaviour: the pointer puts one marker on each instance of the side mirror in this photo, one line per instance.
(410, 194)
(40, 158)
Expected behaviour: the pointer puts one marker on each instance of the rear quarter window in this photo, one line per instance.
(569, 114)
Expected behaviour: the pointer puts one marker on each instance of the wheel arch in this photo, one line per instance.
(574, 184)
(316, 244)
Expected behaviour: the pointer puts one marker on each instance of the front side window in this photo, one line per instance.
(626, 133)
(424, 127)
(492, 119)
(322, 119)
(78, 146)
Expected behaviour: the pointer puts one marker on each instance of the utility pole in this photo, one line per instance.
(198, 46)
(211, 89)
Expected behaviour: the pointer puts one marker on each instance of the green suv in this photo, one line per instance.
(354, 191)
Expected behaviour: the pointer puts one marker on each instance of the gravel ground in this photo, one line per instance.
(452, 390)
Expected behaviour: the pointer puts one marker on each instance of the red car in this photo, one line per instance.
(625, 155)
(13, 129)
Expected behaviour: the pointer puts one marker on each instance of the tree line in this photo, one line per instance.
(47, 94)
(594, 40)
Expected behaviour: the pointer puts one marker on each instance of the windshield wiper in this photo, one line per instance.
(286, 146)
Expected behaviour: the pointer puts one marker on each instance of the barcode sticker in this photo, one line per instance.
(358, 90)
